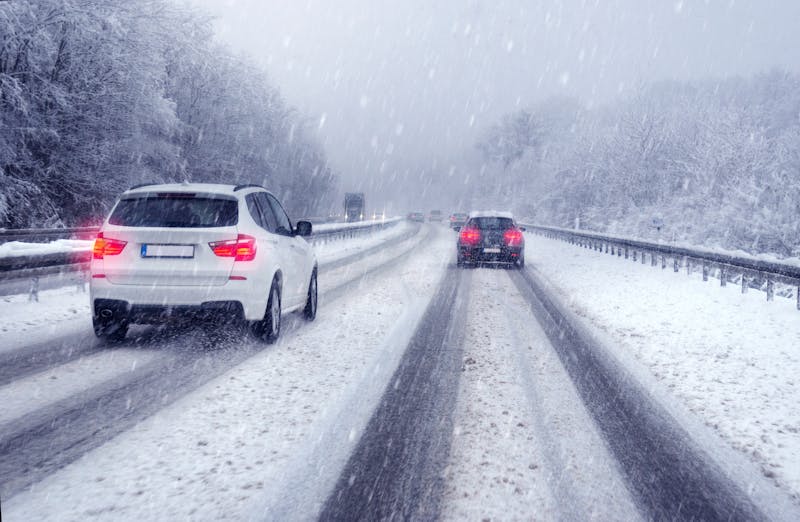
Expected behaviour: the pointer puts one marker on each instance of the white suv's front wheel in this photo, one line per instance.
(310, 311)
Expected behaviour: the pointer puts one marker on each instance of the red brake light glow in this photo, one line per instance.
(512, 237)
(104, 246)
(470, 236)
(243, 248)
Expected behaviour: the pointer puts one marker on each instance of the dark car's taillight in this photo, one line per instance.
(470, 236)
(512, 237)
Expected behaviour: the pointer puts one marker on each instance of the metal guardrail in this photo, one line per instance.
(38, 235)
(37, 265)
(748, 272)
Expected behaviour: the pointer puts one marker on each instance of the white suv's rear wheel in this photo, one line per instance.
(269, 328)
(109, 329)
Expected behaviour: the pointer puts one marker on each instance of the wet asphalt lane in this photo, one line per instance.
(396, 470)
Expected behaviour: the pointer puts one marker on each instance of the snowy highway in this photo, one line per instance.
(422, 391)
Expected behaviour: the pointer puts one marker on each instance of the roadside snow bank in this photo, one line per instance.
(732, 359)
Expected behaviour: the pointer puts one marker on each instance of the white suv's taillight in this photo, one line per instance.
(105, 246)
(243, 248)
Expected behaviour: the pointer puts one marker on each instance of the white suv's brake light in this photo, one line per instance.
(104, 246)
(243, 248)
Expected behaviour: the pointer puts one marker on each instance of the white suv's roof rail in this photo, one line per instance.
(491, 213)
(219, 188)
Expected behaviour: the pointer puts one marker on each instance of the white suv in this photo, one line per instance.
(200, 250)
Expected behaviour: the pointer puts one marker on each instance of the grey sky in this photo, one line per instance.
(403, 87)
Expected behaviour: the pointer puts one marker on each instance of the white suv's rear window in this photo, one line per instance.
(175, 211)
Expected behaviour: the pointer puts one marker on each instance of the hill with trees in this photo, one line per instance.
(99, 95)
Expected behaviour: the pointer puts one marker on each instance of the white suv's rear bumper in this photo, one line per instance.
(182, 296)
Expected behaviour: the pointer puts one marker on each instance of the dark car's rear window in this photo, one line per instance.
(492, 223)
(175, 211)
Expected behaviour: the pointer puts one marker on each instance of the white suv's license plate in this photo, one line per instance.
(491, 250)
(179, 251)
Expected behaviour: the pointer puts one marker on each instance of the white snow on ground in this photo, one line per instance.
(59, 312)
(268, 438)
(731, 359)
(50, 386)
(337, 249)
(524, 446)
(324, 227)
(19, 248)
(66, 310)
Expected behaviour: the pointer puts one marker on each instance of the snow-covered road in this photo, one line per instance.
(409, 356)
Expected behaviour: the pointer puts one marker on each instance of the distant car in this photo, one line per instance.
(435, 215)
(195, 249)
(418, 217)
(491, 237)
(457, 220)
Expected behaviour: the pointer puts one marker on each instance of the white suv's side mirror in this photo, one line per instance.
(303, 228)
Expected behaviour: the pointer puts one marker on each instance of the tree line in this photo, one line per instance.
(714, 163)
(99, 95)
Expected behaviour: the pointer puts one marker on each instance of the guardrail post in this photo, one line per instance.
(770, 289)
(626, 252)
(643, 257)
(34, 293)
(745, 283)
(705, 271)
(653, 259)
(723, 276)
(798, 297)
(688, 266)
(676, 264)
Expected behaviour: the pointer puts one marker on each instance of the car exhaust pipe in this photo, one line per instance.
(106, 313)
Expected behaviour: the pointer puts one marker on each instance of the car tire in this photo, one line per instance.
(268, 329)
(310, 310)
(112, 331)
(521, 262)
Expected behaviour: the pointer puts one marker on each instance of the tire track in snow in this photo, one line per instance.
(524, 446)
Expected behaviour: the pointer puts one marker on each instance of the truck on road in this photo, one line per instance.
(354, 206)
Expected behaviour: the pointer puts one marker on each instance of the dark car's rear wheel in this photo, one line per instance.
(269, 328)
